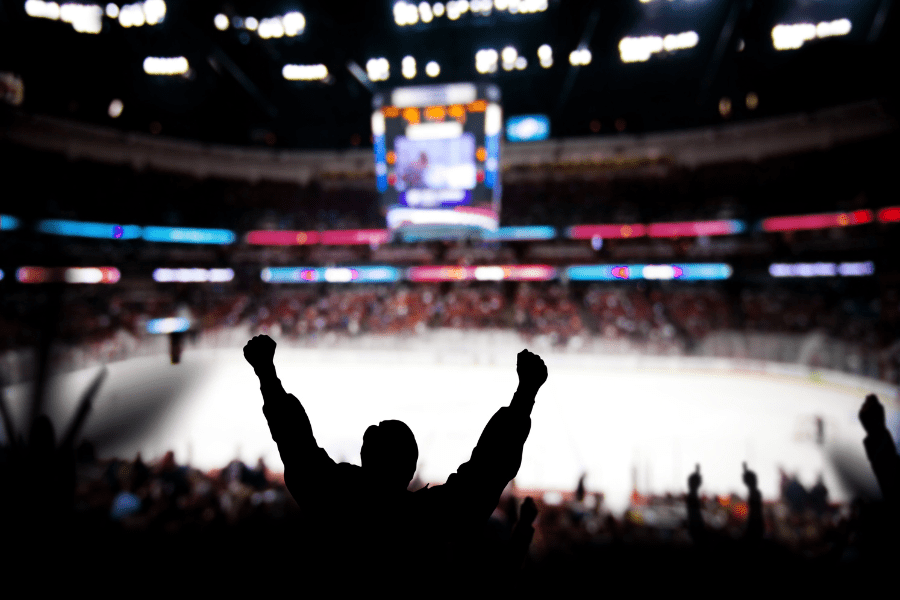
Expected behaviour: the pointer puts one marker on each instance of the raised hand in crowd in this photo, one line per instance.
(755, 525)
(880, 448)
(522, 533)
(260, 353)
(695, 519)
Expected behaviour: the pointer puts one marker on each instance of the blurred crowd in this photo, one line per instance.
(815, 326)
(158, 508)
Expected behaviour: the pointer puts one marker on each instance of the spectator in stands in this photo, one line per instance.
(880, 449)
(393, 532)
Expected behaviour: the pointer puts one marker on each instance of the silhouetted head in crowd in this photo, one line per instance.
(389, 454)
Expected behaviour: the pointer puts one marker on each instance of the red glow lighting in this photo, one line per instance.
(819, 221)
(354, 237)
(282, 238)
(690, 228)
(586, 232)
(890, 214)
(33, 275)
(621, 273)
(483, 273)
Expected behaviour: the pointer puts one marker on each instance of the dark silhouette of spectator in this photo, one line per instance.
(755, 524)
(818, 497)
(880, 449)
(522, 534)
(695, 518)
(364, 517)
(793, 492)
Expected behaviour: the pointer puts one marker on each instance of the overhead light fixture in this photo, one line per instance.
(304, 72)
(171, 65)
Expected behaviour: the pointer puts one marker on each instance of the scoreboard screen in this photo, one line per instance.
(437, 155)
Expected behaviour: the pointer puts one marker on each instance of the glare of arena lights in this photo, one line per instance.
(112, 10)
(482, 6)
(438, 9)
(84, 18)
(545, 55)
(408, 67)
(425, 12)
(432, 69)
(833, 28)
(154, 11)
(271, 27)
(115, 108)
(42, 10)
(580, 57)
(131, 15)
(83, 275)
(251, 23)
(453, 10)
(169, 65)
(521, 63)
(405, 13)
(221, 21)
(294, 23)
(509, 54)
(493, 119)
(304, 72)
(791, 37)
(752, 100)
(378, 124)
(680, 41)
(486, 60)
(725, 107)
(378, 69)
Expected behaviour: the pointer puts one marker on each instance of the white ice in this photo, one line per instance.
(621, 426)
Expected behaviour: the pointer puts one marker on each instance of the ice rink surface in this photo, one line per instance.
(621, 426)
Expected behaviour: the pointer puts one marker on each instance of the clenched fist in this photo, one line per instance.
(749, 478)
(871, 415)
(531, 369)
(260, 352)
(695, 480)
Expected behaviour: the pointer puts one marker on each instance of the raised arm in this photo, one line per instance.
(290, 427)
(497, 457)
(880, 448)
(755, 523)
(695, 517)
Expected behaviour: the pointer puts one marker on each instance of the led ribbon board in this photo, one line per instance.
(822, 269)
(193, 275)
(168, 325)
(680, 272)
(483, 273)
(818, 221)
(186, 235)
(380, 274)
(109, 231)
(8, 222)
(527, 128)
(68, 275)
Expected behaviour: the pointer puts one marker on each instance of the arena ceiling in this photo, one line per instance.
(629, 66)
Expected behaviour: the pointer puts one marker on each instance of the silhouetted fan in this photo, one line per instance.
(363, 520)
